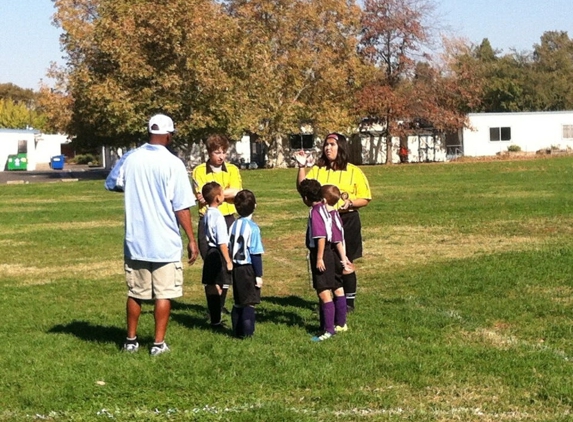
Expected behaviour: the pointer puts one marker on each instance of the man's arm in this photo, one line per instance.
(184, 220)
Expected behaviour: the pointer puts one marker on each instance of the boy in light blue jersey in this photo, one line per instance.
(217, 265)
(246, 250)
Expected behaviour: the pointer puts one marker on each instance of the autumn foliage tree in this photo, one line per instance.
(129, 59)
(305, 65)
(261, 66)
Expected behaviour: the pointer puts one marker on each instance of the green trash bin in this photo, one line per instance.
(18, 161)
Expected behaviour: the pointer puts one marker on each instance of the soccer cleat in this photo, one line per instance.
(158, 349)
(131, 346)
(221, 326)
(325, 336)
(340, 329)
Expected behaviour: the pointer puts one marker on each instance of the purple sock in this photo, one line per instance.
(320, 316)
(340, 310)
(328, 312)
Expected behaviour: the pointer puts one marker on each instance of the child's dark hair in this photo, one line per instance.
(245, 202)
(331, 194)
(210, 191)
(310, 190)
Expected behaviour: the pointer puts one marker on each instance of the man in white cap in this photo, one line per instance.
(158, 196)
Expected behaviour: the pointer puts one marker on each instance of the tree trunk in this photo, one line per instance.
(389, 148)
(276, 153)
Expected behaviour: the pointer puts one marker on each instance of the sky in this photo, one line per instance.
(29, 42)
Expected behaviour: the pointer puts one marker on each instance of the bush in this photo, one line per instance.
(514, 148)
(84, 159)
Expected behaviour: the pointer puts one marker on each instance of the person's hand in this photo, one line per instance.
(258, 282)
(320, 265)
(192, 252)
(348, 267)
(301, 158)
(230, 266)
(200, 199)
(346, 205)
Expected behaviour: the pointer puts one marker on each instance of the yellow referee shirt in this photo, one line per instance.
(352, 182)
(228, 177)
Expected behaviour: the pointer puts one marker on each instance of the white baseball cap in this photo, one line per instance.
(160, 124)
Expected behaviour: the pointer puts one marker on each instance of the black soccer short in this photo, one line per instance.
(215, 269)
(352, 234)
(326, 279)
(245, 291)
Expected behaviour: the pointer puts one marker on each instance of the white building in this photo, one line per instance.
(38, 147)
(492, 133)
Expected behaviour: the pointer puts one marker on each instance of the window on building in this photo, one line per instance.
(22, 147)
(500, 134)
(567, 131)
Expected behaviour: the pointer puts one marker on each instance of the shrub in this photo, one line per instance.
(84, 159)
(514, 148)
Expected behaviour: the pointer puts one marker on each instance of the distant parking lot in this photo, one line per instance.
(70, 173)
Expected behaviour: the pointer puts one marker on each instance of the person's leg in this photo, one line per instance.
(213, 295)
(237, 321)
(133, 311)
(248, 321)
(161, 313)
(353, 240)
(224, 291)
(339, 309)
(327, 308)
(349, 284)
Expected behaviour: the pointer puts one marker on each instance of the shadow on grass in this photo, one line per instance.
(291, 301)
(274, 309)
(283, 313)
(87, 331)
(193, 316)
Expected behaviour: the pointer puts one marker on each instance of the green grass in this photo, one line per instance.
(464, 307)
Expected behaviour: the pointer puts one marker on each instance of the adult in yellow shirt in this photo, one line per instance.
(228, 176)
(333, 168)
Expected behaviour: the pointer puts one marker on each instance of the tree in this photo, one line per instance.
(549, 81)
(395, 33)
(15, 115)
(13, 92)
(262, 66)
(126, 62)
(304, 65)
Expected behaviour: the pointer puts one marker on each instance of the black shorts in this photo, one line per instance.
(215, 269)
(202, 239)
(326, 279)
(352, 234)
(245, 291)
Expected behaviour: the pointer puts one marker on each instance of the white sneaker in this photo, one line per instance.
(325, 336)
(159, 349)
(340, 329)
(130, 347)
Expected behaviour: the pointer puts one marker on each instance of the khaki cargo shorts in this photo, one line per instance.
(153, 280)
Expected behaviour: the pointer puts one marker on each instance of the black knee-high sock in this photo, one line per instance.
(224, 296)
(349, 285)
(248, 321)
(214, 305)
(236, 320)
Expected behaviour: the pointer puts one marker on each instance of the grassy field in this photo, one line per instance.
(463, 312)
